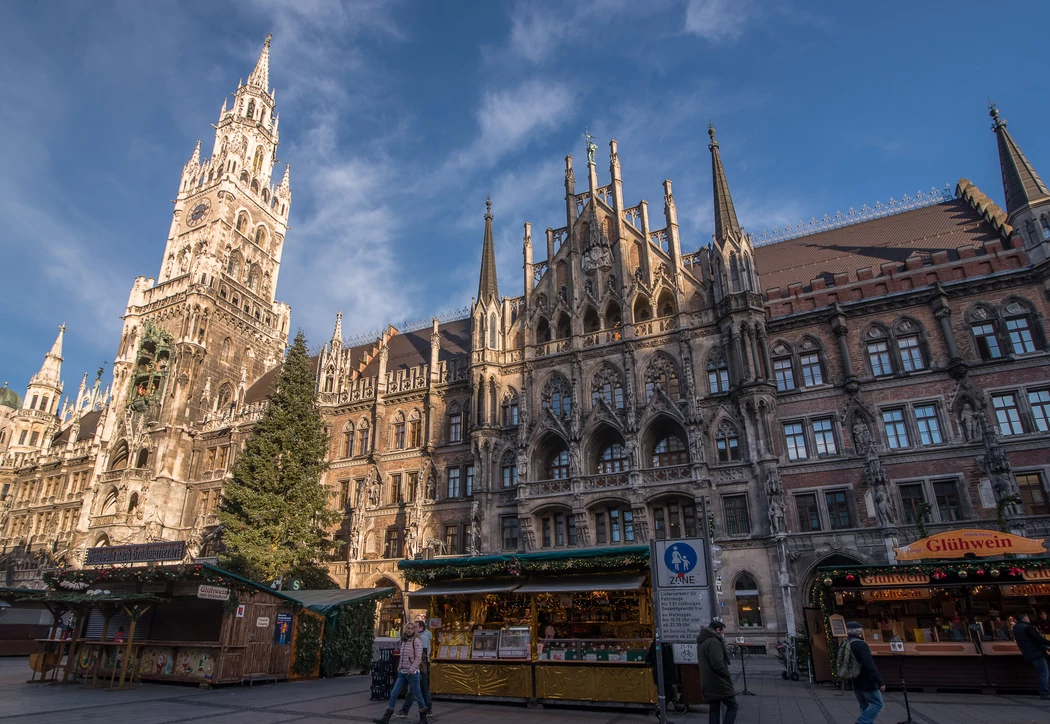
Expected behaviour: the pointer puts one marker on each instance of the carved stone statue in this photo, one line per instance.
(374, 491)
(475, 527)
(774, 486)
(861, 437)
(883, 506)
(777, 516)
(574, 461)
(696, 443)
(971, 426)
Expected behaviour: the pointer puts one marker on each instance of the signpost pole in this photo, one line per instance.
(654, 573)
(904, 687)
(712, 599)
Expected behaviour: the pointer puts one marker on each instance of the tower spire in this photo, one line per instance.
(487, 286)
(337, 333)
(260, 77)
(50, 373)
(726, 224)
(1021, 184)
(195, 159)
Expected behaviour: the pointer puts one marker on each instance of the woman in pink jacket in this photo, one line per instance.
(407, 673)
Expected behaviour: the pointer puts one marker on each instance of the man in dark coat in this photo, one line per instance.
(1033, 647)
(717, 682)
(868, 685)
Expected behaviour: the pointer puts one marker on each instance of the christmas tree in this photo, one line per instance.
(274, 510)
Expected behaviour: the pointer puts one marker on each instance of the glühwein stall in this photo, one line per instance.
(943, 617)
(191, 623)
(558, 627)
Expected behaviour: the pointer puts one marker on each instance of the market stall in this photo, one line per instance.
(940, 620)
(21, 622)
(349, 631)
(559, 627)
(188, 623)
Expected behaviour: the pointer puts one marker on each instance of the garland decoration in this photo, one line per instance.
(604, 561)
(307, 644)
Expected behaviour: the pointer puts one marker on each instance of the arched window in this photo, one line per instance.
(225, 396)
(558, 466)
(119, 461)
(727, 443)
(607, 386)
(143, 458)
(810, 363)
(911, 350)
(543, 331)
(564, 326)
(251, 109)
(642, 310)
(665, 305)
(878, 347)
(222, 146)
(612, 459)
(399, 431)
(329, 382)
(348, 440)
(557, 528)
(748, 605)
(783, 367)
(613, 317)
(1030, 228)
(109, 504)
(670, 451)
(260, 236)
(591, 322)
(257, 162)
(133, 502)
(717, 373)
(509, 468)
(362, 437)
(557, 396)
(1022, 327)
(510, 410)
(1045, 224)
(455, 424)
(662, 374)
(227, 350)
(674, 518)
(242, 222)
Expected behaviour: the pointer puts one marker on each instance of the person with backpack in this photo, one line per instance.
(407, 674)
(854, 662)
(1033, 647)
(715, 679)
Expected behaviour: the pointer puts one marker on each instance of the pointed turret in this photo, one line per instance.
(488, 289)
(260, 77)
(195, 159)
(1021, 184)
(286, 182)
(726, 225)
(50, 373)
(337, 333)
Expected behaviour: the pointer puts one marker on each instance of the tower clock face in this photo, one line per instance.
(199, 212)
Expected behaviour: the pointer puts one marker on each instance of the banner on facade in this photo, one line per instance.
(966, 543)
(139, 553)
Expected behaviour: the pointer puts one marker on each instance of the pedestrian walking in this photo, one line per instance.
(426, 705)
(854, 662)
(407, 674)
(717, 682)
(1034, 648)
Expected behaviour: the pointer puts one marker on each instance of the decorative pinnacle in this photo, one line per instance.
(711, 133)
(993, 111)
(488, 207)
(269, 37)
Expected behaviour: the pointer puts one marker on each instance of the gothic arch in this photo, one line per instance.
(613, 316)
(662, 372)
(119, 459)
(109, 502)
(243, 221)
(260, 236)
(607, 384)
(643, 310)
(665, 304)
(591, 321)
(543, 331)
(550, 453)
(556, 395)
(665, 442)
(225, 396)
(564, 328)
(810, 576)
(605, 451)
(255, 186)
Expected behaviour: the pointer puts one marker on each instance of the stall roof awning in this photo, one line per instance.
(453, 588)
(319, 601)
(570, 584)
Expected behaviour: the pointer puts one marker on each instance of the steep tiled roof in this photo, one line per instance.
(260, 389)
(88, 425)
(894, 238)
(409, 349)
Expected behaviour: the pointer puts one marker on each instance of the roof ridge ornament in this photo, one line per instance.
(853, 216)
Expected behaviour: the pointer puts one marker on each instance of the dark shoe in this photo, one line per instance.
(423, 717)
(385, 719)
(401, 714)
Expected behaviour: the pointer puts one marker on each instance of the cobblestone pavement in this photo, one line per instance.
(346, 699)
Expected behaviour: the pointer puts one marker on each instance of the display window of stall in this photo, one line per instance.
(391, 615)
(483, 626)
(609, 626)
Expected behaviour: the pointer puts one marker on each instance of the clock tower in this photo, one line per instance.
(197, 337)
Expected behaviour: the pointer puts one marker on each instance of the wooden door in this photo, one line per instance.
(260, 637)
(818, 644)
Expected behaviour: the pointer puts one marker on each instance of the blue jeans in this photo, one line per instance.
(424, 686)
(413, 687)
(1043, 672)
(870, 705)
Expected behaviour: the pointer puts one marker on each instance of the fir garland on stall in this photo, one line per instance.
(348, 639)
(489, 566)
(307, 644)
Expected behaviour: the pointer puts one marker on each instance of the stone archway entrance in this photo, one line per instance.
(391, 610)
(820, 647)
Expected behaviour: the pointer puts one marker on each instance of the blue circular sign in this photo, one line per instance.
(680, 558)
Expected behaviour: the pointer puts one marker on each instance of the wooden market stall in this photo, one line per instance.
(952, 616)
(570, 626)
(349, 631)
(21, 622)
(191, 623)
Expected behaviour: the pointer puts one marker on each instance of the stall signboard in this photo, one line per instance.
(681, 589)
(895, 579)
(1026, 589)
(896, 594)
(1037, 574)
(967, 542)
(213, 593)
(138, 553)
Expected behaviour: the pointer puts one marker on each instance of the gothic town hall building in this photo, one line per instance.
(817, 389)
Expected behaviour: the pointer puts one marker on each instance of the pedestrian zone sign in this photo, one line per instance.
(681, 563)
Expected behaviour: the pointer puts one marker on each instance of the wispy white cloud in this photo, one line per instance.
(717, 20)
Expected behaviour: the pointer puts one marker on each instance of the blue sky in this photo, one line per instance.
(398, 118)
